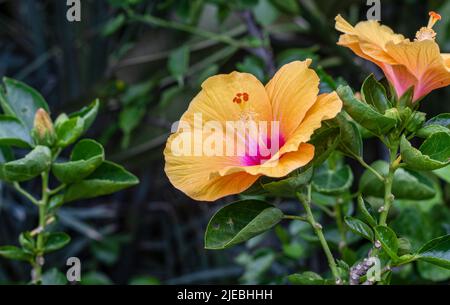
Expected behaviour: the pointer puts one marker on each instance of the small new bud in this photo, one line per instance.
(416, 121)
(393, 113)
(43, 131)
(405, 114)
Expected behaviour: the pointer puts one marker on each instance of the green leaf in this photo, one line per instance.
(437, 147)
(130, 118)
(32, 165)
(407, 98)
(27, 242)
(432, 272)
(375, 94)
(290, 186)
(288, 6)
(21, 101)
(389, 242)
(108, 178)
(332, 182)
(88, 114)
(113, 25)
(55, 240)
(436, 251)
(293, 250)
(14, 253)
(54, 277)
(178, 63)
(6, 154)
(365, 212)
(265, 12)
(14, 133)
(306, 278)
(442, 119)
(56, 201)
(144, 281)
(364, 114)
(325, 141)
(433, 154)
(351, 140)
(407, 184)
(240, 221)
(95, 278)
(359, 227)
(69, 131)
(427, 131)
(443, 173)
(86, 156)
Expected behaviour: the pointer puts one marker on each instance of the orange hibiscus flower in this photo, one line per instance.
(203, 158)
(405, 63)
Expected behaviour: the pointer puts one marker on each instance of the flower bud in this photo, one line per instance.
(43, 131)
(416, 121)
(393, 113)
(405, 114)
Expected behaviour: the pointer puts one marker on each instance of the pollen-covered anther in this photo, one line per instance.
(427, 33)
(241, 97)
(434, 17)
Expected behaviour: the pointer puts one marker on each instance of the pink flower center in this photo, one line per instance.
(262, 150)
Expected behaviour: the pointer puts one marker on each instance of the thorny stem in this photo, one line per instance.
(317, 227)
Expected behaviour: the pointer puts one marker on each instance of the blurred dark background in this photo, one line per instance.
(145, 60)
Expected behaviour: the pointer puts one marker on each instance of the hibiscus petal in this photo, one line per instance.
(327, 106)
(279, 168)
(368, 39)
(292, 91)
(446, 58)
(230, 97)
(194, 176)
(424, 61)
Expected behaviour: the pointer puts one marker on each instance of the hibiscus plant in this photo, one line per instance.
(307, 137)
(30, 148)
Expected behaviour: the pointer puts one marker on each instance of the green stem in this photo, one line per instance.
(57, 190)
(340, 224)
(25, 193)
(317, 227)
(370, 168)
(43, 205)
(295, 217)
(388, 181)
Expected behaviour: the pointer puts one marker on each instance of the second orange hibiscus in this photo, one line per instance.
(405, 63)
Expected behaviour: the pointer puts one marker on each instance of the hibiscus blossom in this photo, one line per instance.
(205, 161)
